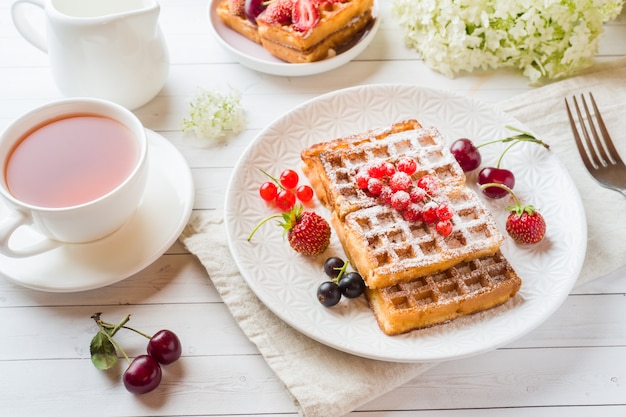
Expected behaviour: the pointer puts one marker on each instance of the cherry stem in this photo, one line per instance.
(112, 329)
(522, 136)
(138, 332)
(504, 187)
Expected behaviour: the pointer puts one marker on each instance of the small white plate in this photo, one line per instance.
(254, 56)
(159, 220)
(286, 282)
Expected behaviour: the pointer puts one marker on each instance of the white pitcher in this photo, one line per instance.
(109, 49)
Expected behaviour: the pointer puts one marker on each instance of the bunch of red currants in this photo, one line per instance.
(144, 371)
(285, 191)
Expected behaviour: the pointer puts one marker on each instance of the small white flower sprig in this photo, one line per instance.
(545, 39)
(214, 114)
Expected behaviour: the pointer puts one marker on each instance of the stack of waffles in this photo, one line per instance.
(416, 276)
(335, 25)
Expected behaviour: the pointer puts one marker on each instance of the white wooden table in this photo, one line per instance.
(574, 364)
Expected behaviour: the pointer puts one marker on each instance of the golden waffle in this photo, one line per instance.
(339, 22)
(380, 243)
(466, 288)
(238, 22)
(332, 166)
(387, 249)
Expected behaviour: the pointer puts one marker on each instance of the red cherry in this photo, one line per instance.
(466, 154)
(289, 178)
(142, 375)
(304, 193)
(498, 176)
(268, 191)
(165, 347)
(253, 8)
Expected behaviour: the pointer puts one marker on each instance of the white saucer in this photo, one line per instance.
(254, 56)
(156, 225)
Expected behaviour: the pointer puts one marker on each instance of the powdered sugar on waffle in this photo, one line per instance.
(425, 145)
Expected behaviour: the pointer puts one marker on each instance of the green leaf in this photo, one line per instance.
(103, 353)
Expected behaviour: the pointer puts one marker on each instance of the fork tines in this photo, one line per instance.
(596, 150)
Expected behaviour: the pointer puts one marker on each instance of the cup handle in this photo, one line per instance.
(8, 225)
(23, 25)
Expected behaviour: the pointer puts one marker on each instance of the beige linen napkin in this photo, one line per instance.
(543, 111)
(324, 382)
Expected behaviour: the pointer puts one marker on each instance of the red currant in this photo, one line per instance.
(285, 200)
(375, 186)
(304, 193)
(377, 169)
(389, 169)
(361, 179)
(400, 200)
(412, 213)
(400, 181)
(429, 184)
(407, 165)
(444, 227)
(417, 195)
(444, 211)
(268, 191)
(289, 178)
(429, 214)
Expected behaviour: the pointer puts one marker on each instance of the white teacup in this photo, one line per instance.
(73, 170)
(109, 49)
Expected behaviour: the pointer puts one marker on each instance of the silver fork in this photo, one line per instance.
(597, 152)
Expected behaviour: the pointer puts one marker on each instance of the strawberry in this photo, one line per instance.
(307, 232)
(305, 15)
(236, 7)
(278, 11)
(524, 224)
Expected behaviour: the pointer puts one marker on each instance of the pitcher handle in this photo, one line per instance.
(24, 26)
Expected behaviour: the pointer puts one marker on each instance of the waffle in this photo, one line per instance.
(339, 23)
(332, 166)
(387, 249)
(466, 288)
(238, 22)
(380, 243)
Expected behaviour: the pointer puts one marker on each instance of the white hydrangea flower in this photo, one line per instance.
(545, 39)
(214, 114)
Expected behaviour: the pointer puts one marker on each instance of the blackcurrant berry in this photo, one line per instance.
(332, 266)
(352, 285)
(328, 293)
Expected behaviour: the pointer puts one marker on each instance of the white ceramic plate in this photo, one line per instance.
(159, 220)
(254, 56)
(287, 282)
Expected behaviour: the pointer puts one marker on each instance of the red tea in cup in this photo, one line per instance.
(71, 161)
